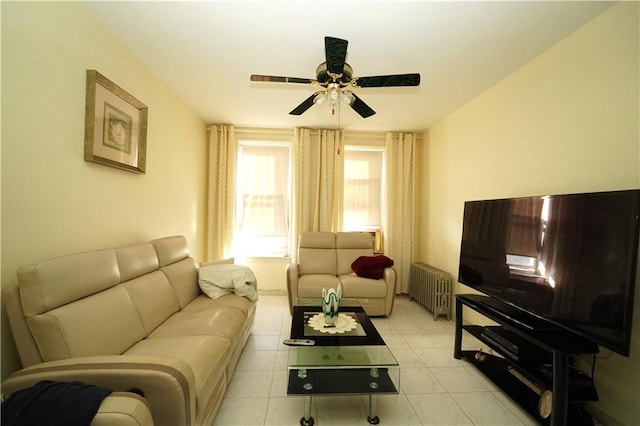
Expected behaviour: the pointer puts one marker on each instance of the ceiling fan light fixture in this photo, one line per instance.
(334, 94)
(320, 98)
(347, 97)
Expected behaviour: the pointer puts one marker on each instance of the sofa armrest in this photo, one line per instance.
(292, 284)
(167, 384)
(390, 278)
(123, 409)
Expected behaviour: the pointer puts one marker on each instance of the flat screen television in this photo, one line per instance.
(568, 259)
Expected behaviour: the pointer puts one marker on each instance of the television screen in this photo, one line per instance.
(570, 259)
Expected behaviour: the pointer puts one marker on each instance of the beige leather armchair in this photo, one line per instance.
(324, 260)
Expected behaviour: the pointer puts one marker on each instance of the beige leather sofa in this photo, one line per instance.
(324, 260)
(130, 318)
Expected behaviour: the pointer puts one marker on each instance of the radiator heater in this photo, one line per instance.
(431, 287)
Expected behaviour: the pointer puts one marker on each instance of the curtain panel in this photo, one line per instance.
(223, 154)
(399, 220)
(318, 176)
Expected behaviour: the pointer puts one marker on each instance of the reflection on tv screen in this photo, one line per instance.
(568, 258)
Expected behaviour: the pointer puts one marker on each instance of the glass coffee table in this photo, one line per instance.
(351, 362)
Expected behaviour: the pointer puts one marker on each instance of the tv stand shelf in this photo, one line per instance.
(533, 366)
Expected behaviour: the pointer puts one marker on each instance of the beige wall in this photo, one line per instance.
(571, 120)
(55, 203)
(270, 272)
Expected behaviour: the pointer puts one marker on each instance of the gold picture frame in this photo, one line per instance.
(115, 130)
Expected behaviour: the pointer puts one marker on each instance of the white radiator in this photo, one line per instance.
(431, 287)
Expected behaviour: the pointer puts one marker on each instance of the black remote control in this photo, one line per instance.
(299, 342)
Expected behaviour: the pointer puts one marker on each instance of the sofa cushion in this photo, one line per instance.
(154, 299)
(312, 285)
(136, 260)
(58, 281)
(357, 287)
(354, 240)
(321, 240)
(346, 257)
(317, 261)
(183, 277)
(349, 247)
(171, 249)
(316, 253)
(203, 302)
(106, 323)
(220, 321)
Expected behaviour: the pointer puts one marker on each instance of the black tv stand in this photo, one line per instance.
(533, 364)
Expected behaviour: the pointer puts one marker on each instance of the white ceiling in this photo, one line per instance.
(205, 51)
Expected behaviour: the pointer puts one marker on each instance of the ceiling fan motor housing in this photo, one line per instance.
(323, 77)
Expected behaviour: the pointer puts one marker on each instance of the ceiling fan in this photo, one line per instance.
(335, 77)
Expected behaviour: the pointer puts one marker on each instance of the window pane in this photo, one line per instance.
(362, 188)
(263, 200)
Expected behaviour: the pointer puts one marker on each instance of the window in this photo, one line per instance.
(262, 205)
(263, 193)
(522, 263)
(363, 199)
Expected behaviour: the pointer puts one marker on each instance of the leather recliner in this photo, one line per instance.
(325, 259)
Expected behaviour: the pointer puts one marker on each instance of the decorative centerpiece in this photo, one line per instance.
(331, 305)
(330, 320)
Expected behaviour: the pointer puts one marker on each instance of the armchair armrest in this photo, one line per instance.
(390, 278)
(292, 284)
(167, 384)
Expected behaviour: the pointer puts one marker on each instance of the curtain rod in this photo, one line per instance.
(273, 130)
(265, 130)
(290, 130)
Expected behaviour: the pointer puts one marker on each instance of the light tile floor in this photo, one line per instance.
(435, 388)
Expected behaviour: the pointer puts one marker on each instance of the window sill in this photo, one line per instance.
(265, 256)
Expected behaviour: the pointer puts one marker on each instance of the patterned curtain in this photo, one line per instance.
(223, 154)
(398, 226)
(318, 175)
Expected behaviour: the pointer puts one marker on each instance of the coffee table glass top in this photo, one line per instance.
(363, 334)
(363, 346)
(340, 356)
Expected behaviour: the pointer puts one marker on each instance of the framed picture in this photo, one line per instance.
(115, 129)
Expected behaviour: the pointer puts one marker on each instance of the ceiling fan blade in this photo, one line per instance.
(336, 53)
(278, 79)
(388, 80)
(305, 105)
(361, 107)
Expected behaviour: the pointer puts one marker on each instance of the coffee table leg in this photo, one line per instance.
(307, 420)
(373, 418)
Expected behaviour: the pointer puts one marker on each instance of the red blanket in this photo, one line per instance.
(371, 266)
